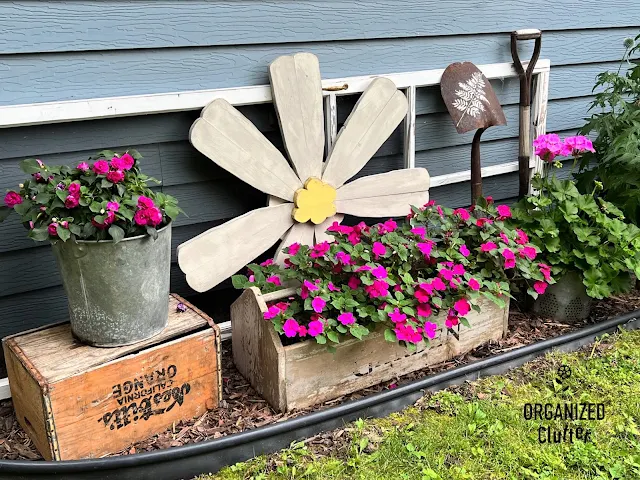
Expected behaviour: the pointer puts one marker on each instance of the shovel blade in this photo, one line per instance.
(469, 97)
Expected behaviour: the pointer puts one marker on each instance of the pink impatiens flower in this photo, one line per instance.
(74, 188)
(424, 310)
(462, 307)
(529, 252)
(419, 231)
(473, 284)
(378, 249)
(343, 258)
(316, 327)
(407, 333)
(275, 279)
(380, 288)
(353, 283)
(290, 328)
(115, 176)
(430, 329)
(145, 202)
(293, 249)
(451, 321)
(463, 213)
(71, 201)
(272, 312)
(504, 238)
(438, 284)
(101, 167)
(464, 251)
(11, 199)
(83, 166)
(387, 227)
(379, 272)
(508, 253)
(458, 269)
(311, 286)
(113, 206)
(481, 222)
(504, 211)
(540, 287)
(318, 304)
(396, 316)
(332, 287)
(522, 237)
(346, 318)
(267, 262)
(320, 249)
(125, 162)
(488, 247)
(425, 248)
(545, 270)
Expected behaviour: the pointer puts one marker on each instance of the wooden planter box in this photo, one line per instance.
(77, 401)
(305, 374)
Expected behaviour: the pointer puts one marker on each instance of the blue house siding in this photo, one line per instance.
(64, 50)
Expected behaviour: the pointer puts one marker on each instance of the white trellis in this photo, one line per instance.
(114, 107)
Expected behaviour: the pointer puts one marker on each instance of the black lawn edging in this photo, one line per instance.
(188, 461)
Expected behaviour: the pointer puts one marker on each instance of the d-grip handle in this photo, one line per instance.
(525, 77)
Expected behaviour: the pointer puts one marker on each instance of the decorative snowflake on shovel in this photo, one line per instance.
(308, 198)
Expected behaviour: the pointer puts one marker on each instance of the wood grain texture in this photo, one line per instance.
(220, 252)
(297, 94)
(383, 205)
(388, 183)
(377, 113)
(231, 141)
(247, 22)
(305, 373)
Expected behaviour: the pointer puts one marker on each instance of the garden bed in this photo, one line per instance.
(243, 409)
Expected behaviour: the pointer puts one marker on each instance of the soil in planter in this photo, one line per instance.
(243, 409)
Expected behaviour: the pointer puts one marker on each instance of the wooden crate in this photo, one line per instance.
(77, 401)
(305, 373)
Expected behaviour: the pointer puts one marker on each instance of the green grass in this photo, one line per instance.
(478, 431)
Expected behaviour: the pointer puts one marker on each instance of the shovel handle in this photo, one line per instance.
(525, 76)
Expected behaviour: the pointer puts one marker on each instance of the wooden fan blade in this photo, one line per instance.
(297, 95)
(397, 205)
(224, 135)
(321, 229)
(377, 113)
(301, 233)
(216, 254)
(389, 183)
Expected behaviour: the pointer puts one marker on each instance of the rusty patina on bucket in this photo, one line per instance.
(117, 292)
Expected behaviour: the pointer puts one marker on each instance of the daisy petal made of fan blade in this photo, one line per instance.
(301, 233)
(224, 135)
(297, 95)
(321, 229)
(388, 183)
(376, 115)
(216, 254)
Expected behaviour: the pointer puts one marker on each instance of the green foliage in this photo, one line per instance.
(63, 203)
(616, 121)
(579, 232)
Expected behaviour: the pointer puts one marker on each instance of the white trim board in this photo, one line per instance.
(95, 108)
(99, 108)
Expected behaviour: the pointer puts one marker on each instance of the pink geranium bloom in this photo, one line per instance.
(424, 310)
(294, 248)
(464, 251)
(528, 252)
(504, 211)
(438, 284)
(578, 144)
(488, 247)
(343, 258)
(462, 307)
(425, 248)
(379, 272)
(320, 249)
(463, 213)
(318, 304)
(522, 237)
(275, 279)
(316, 327)
(353, 283)
(419, 231)
(474, 284)
(540, 287)
(312, 287)
(378, 249)
(396, 316)
(346, 318)
(430, 329)
(272, 312)
(290, 328)
(549, 146)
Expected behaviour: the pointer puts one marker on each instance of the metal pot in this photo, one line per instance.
(565, 300)
(118, 292)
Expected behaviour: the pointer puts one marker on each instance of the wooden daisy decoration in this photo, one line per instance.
(306, 199)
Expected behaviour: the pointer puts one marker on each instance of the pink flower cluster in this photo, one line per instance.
(110, 216)
(355, 233)
(147, 212)
(113, 170)
(73, 198)
(550, 146)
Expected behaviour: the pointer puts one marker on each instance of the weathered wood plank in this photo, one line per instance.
(249, 22)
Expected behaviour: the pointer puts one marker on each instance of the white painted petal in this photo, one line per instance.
(224, 135)
(301, 233)
(376, 115)
(214, 255)
(321, 229)
(383, 206)
(389, 183)
(297, 96)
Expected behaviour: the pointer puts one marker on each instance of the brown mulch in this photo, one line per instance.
(243, 409)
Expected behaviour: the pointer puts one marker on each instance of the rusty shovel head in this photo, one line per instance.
(468, 95)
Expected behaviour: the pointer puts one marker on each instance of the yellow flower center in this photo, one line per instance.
(314, 202)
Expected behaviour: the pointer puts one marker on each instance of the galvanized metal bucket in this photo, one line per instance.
(566, 300)
(118, 293)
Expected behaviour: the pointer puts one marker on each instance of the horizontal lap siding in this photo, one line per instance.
(229, 44)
